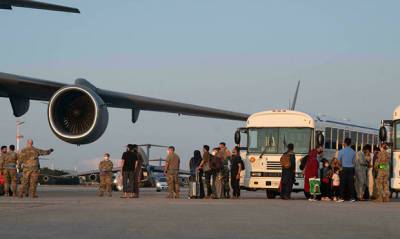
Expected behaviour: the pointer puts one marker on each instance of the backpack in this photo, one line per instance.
(303, 162)
(285, 161)
(242, 164)
(216, 163)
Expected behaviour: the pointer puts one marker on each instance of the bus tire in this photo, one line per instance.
(271, 194)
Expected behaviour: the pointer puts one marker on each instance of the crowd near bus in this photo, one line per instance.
(279, 151)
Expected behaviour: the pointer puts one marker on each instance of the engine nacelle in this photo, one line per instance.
(93, 177)
(77, 115)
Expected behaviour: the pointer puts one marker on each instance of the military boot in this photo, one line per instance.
(386, 199)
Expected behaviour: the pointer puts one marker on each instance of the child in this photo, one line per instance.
(326, 175)
(335, 185)
(335, 165)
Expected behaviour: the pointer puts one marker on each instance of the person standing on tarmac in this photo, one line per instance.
(129, 159)
(3, 154)
(172, 173)
(105, 168)
(206, 169)
(382, 166)
(194, 164)
(226, 158)
(288, 174)
(137, 171)
(10, 171)
(29, 159)
(347, 158)
(236, 168)
(217, 178)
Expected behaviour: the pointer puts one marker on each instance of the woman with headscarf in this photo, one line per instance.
(195, 163)
(311, 169)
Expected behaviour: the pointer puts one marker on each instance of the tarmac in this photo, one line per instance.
(76, 212)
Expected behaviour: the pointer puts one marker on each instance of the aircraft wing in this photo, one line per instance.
(21, 89)
(8, 4)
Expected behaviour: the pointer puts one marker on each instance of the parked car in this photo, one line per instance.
(161, 184)
(117, 183)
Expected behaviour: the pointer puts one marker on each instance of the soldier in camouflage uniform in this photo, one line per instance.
(10, 171)
(138, 172)
(226, 157)
(3, 154)
(382, 180)
(29, 159)
(105, 168)
(172, 173)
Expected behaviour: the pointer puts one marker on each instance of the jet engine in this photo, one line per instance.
(77, 115)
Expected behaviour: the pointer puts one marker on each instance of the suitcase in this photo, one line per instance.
(194, 188)
(219, 186)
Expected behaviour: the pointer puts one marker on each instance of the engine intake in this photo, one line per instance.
(77, 115)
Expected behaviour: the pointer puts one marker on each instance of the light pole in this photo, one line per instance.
(19, 136)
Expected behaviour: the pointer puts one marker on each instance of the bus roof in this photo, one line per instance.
(274, 118)
(278, 118)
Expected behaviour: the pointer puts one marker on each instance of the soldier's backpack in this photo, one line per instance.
(285, 161)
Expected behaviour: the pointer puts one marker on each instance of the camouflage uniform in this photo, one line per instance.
(382, 179)
(29, 158)
(105, 167)
(2, 159)
(225, 173)
(138, 175)
(173, 162)
(10, 172)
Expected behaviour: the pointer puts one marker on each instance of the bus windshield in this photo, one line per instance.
(275, 140)
(397, 134)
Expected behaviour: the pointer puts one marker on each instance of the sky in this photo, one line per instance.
(244, 56)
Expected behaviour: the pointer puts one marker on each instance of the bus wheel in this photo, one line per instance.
(271, 194)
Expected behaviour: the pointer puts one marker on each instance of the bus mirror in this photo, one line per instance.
(237, 137)
(383, 134)
(320, 139)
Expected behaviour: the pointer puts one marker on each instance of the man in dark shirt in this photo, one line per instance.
(129, 159)
(236, 168)
(288, 174)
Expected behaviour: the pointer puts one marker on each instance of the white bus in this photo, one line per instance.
(392, 134)
(268, 133)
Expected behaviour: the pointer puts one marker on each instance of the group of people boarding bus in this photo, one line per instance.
(353, 175)
(328, 159)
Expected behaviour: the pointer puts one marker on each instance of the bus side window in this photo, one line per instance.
(353, 136)
(334, 139)
(328, 138)
(365, 141)
(340, 138)
(359, 140)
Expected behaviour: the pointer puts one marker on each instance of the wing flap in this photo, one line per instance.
(129, 101)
